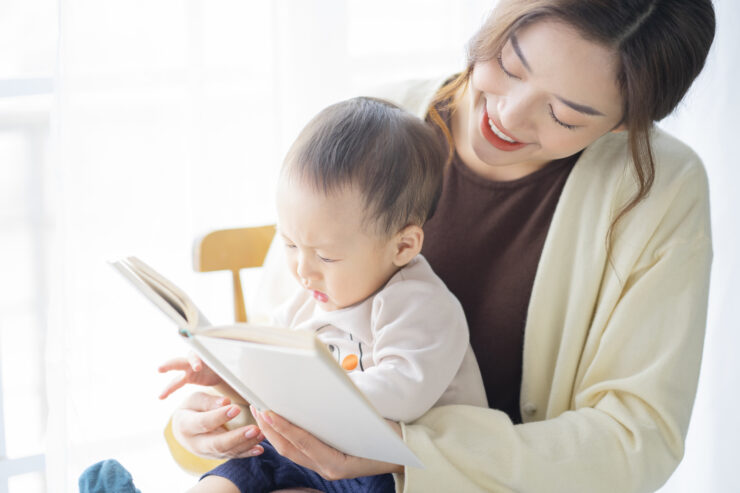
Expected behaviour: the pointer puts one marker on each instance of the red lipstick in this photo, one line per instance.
(494, 139)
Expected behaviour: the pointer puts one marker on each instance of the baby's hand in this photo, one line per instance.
(195, 371)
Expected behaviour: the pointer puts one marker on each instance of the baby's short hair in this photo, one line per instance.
(393, 158)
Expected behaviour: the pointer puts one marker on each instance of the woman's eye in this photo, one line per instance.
(500, 60)
(288, 245)
(563, 124)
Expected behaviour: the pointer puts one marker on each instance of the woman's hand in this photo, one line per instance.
(305, 449)
(194, 371)
(198, 425)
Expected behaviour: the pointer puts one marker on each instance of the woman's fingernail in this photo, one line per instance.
(232, 412)
(223, 402)
(252, 432)
(257, 450)
(266, 416)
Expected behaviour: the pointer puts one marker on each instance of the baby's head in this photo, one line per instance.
(355, 189)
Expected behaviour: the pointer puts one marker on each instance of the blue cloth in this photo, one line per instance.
(270, 471)
(107, 476)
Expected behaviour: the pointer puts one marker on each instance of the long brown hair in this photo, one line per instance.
(661, 46)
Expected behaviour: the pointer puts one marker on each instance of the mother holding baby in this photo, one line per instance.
(576, 236)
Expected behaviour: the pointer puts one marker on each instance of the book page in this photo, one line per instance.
(171, 293)
(170, 299)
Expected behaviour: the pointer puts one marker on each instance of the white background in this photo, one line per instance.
(169, 118)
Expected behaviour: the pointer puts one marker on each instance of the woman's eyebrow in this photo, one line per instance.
(581, 108)
(518, 51)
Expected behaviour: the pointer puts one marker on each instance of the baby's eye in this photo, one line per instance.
(327, 260)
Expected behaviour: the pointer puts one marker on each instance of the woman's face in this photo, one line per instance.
(547, 95)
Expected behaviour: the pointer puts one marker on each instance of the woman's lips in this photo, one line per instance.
(495, 140)
(320, 297)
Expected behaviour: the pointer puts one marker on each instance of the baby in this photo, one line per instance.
(354, 192)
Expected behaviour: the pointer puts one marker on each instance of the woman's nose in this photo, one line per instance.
(515, 112)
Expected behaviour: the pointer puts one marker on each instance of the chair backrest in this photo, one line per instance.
(233, 250)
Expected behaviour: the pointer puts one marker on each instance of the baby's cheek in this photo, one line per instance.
(293, 268)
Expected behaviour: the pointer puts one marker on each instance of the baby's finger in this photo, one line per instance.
(195, 362)
(181, 364)
(175, 384)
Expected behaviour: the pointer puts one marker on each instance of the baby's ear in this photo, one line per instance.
(407, 244)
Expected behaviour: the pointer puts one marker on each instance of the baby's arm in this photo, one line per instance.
(420, 341)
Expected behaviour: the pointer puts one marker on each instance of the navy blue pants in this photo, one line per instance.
(270, 471)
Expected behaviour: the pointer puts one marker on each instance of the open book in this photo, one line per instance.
(289, 372)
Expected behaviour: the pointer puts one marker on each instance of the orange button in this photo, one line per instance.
(349, 362)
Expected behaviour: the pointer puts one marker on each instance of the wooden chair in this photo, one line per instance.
(232, 250)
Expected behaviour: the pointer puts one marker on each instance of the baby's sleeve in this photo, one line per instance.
(420, 340)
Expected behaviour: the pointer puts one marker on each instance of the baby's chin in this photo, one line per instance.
(328, 306)
(331, 305)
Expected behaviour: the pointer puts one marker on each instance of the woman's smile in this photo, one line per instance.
(496, 136)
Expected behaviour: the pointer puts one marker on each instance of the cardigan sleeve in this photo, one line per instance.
(632, 399)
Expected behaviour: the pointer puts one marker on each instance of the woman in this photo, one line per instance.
(576, 237)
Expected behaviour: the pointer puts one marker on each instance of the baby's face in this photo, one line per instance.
(329, 251)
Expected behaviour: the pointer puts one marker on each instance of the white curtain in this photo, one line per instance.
(708, 121)
(171, 120)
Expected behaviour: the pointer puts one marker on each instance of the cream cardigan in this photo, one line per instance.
(612, 347)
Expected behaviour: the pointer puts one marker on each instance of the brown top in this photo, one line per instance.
(485, 241)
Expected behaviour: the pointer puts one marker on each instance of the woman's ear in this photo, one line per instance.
(407, 244)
